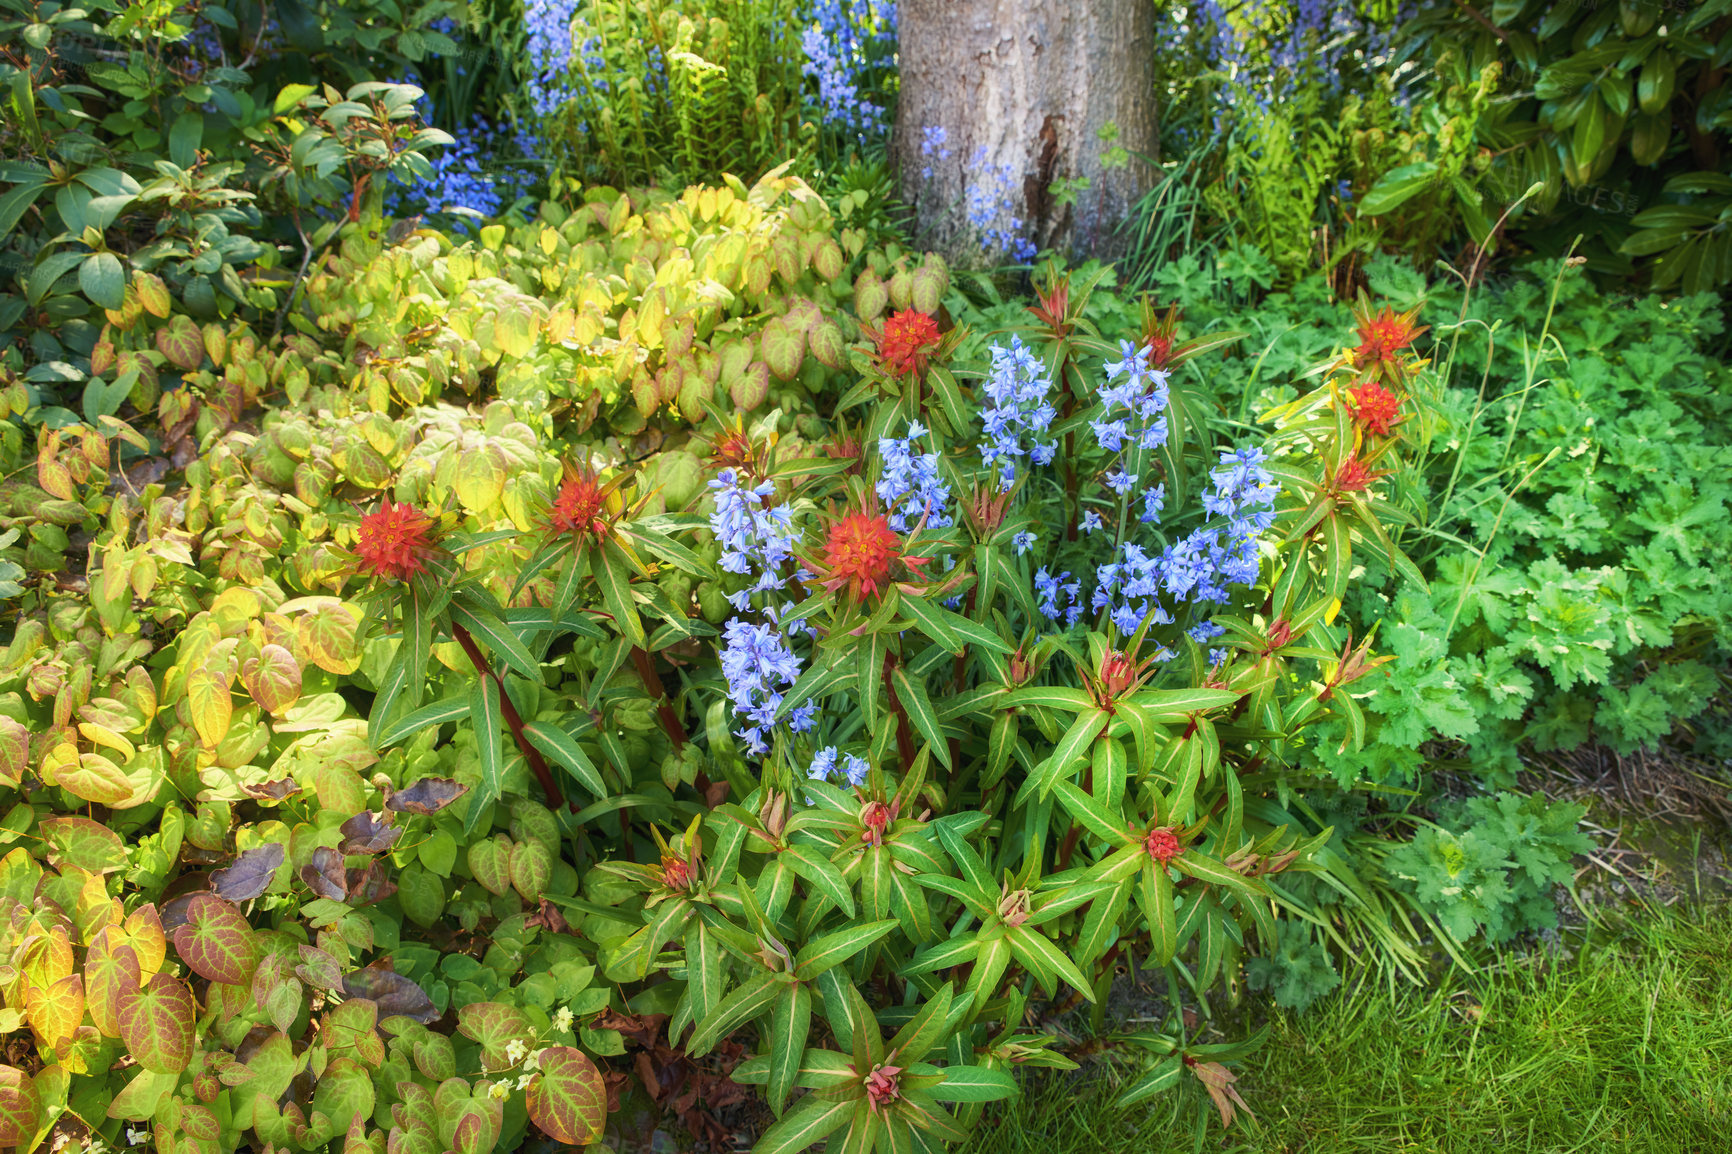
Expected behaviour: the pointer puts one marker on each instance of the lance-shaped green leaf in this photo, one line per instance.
(1102, 924)
(613, 577)
(819, 1070)
(567, 1098)
(973, 867)
(482, 620)
(912, 694)
(1156, 894)
(953, 952)
(739, 1007)
(1045, 960)
(814, 1119)
(925, 1029)
(216, 941)
(821, 874)
(438, 713)
(484, 709)
(669, 550)
(830, 672)
(1164, 1076)
(1072, 748)
(1048, 697)
(1106, 824)
(564, 749)
(1205, 868)
(833, 949)
(1057, 903)
(790, 1022)
(929, 621)
(974, 1084)
(978, 902)
(1173, 705)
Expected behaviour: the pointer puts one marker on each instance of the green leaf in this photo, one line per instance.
(1071, 749)
(953, 952)
(567, 1098)
(819, 1070)
(481, 620)
(102, 279)
(1158, 909)
(1172, 705)
(929, 621)
(20, 1108)
(484, 709)
(807, 1124)
(564, 749)
(833, 949)
(612, 576)
(1036, 951)
(790, 1022)
(1164, 1076)
(1397, 187)
(925, 1029)
(912, 694)
(1049, 697)
(738, 1008)
(821, 873)
(1104, 823)
(1205, 868)
(974, 1084)
(450, 709)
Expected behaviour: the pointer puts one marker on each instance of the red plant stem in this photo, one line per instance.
(904, 736)
(652, 683)
(537, 764)
(670, 719)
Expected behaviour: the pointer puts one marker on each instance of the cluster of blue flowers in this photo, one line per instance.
(838, 48)
(992, 199)
(549, 46)
(1141, 393)
(1017, 405)
(932, 145)
(910, 486)
(1200, 567)
(1060, 599)
(826, 762)
(760, 667)
(757, 538)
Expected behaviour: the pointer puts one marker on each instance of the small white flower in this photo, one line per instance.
(498, 1091)
(524, 1080)
(136, 1135)
(562, 1018)
(534, 1062)
(514, 1051)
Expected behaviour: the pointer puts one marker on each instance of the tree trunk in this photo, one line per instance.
(1001, 100)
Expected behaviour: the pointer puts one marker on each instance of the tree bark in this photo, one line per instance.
(1020, 91)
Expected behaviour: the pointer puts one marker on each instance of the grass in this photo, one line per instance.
(1628, 1047)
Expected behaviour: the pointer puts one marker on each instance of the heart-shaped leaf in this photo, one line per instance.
(156, 1023)
(216, 941)
(567, 1099)
(250, 874)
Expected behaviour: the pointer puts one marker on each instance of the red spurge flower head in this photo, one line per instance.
(1354, 477)
(1384, 337)
(395, 541)
(1162, 844)
(863, 554)
(906, 343)
(882, 1088)
(1375, 408)
(581, 507)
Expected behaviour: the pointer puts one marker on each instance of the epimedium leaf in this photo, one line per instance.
(394, 993)
(567, 1098)
(79, 841)
(428, 795)
(216, 941)
(324, 874)
(495, 1026)
(20, 1108)
(156, 1023)
(366, 833)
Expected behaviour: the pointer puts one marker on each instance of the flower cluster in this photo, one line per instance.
(827, 762)
(839, 47)
(1017, 405)
(394, 541)
(756, 536)
(1200, 567)
(992, 198)
(932, 144)
(906, 342)
(1059, 597)
(1375, 408)
(1133, 403)
(911, 486)
(549, 47)
(759, 667)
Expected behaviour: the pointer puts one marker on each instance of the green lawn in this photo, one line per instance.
(1626, 1048)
